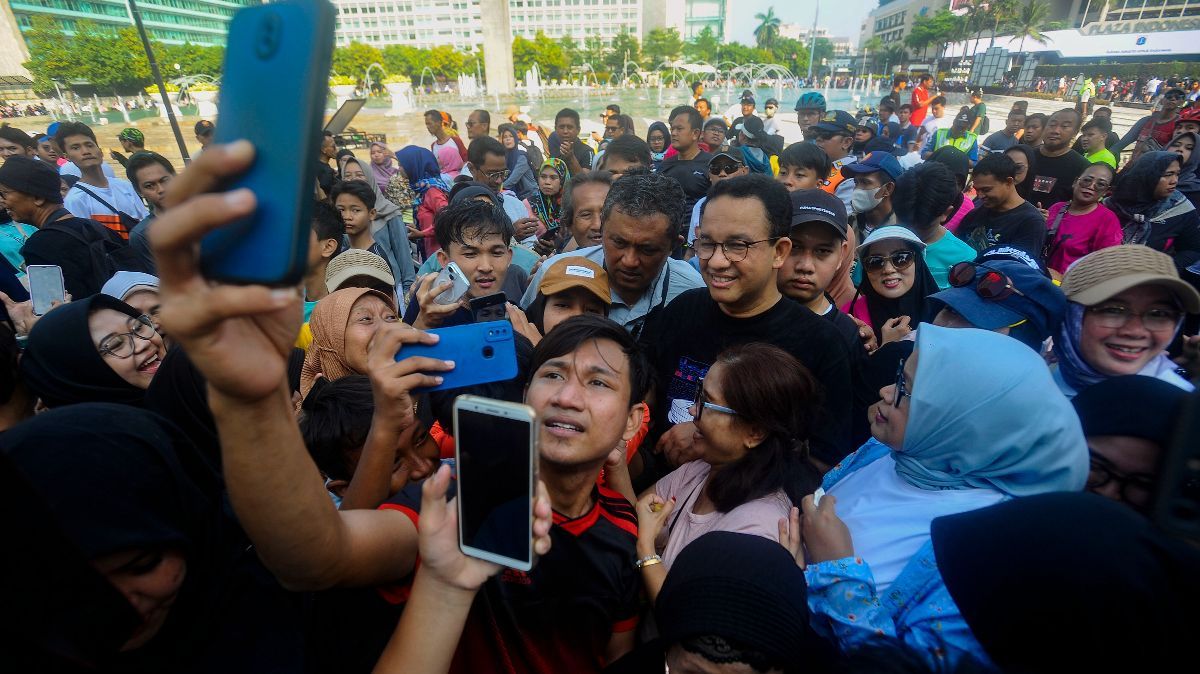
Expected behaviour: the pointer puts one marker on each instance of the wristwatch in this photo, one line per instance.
(648, 561)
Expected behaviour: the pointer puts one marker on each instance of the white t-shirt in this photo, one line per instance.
(70, 169)
(119, 194)
(771, 126)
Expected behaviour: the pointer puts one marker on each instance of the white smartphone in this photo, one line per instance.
(452, 273)
(495, 445)
(46, 286)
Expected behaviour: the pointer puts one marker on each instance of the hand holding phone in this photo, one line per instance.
(489, 307)
(46, 287)
(495, 448)
(482, 353)
(432, 313)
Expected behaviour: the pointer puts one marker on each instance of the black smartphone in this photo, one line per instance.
(273, 93)
(489, 307)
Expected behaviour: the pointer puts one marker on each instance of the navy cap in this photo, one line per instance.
(838, 121)
(876, 161)
(748, 99)
(817, 205)
(1040, 303)
(772, 101)
(751, 125)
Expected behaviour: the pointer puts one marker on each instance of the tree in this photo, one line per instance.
(571, 48)
(1002, 12)
(402, 59)
(662, 44)
(51, 57)
(1030, 21)
(112, 63)
(624, 46)
(893, 55)
(822, 50)
(768, 28)
(870, 48)
(354, 59)
(704, 47)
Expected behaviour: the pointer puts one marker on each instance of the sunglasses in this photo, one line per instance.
(724, 169)
(901, 384)
(901, 260)
(991, 285)
(1088, 181)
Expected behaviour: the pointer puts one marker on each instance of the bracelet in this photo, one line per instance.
(648, 561)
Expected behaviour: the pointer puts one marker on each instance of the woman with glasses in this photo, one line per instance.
(891, 296)
(658, 137)
(971, 420)
(97, 349)
(1125, 305)
(1083, 224)
(1128, 422)
(1152, 212)
(754, 410)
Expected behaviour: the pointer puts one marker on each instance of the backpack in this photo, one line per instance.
(108, 256)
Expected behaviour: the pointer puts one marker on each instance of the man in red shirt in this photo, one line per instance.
(920, 99)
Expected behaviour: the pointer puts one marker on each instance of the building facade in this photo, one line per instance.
(689, 17)
(201, 22)
(892, 20)
(794, 31)
(458, 23)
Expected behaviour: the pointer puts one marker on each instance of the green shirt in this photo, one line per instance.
(1104, 155)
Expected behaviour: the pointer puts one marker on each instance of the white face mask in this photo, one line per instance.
(865, 200)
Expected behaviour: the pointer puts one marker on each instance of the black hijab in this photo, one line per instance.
(116, 478)
(179, 394)
(61, 364)
(1070, 582)
(1133, 193)
(913, 303)
(1025, 187)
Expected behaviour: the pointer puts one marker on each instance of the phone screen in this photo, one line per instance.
(45, 287)
(495, 484)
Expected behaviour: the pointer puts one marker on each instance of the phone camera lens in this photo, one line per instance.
(488, 352)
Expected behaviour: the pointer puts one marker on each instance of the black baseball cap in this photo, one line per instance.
(748, 99)
(817, 205)
(771, 101)
(725, 155)
(752, 126)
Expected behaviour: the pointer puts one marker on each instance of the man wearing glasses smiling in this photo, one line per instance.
(743, 241)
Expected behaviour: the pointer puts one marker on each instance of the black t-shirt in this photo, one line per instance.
(700, 331)
(80, 276)
(1021, 227)
(560, 616)
(848, 329)
(326, 176)
(582, 152)
(692, 176)
(1053, 177)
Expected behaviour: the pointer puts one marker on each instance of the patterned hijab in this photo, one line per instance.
(549, 209)
(326, 354)
(422, 170)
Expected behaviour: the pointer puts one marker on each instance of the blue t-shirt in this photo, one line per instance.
(943, 254)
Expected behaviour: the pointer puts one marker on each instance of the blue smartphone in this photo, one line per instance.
(273, 94)
(482, 353)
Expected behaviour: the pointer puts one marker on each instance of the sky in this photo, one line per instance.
(841, 17)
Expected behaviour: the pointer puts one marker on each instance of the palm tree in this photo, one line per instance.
(893, 55)
(871, 47)
(768, 28)
(1029, 22)
(1002, 11)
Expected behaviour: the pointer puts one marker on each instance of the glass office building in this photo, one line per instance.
(201, 22)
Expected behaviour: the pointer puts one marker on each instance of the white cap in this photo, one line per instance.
(125, 283)
(891, 232)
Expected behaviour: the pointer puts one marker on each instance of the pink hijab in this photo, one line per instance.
(449, 161)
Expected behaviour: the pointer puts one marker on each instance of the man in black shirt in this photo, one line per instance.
(1057, 165)
(326, 174)
(570, 149)
(818, 237)
(1003, 217)
(689, 167)
(742, 244)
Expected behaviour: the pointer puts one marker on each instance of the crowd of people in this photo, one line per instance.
(891, 398)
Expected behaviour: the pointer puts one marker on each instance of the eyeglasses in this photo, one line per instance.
(992, 285)
(724, 169)
(701, 403)
(1088, 181)
(497, 175)
(1117, 316)
(734, 251)
(1102, 471)
(122, 345)
(901, 260)
(901, 384)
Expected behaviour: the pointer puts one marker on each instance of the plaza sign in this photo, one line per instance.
(1072, 44)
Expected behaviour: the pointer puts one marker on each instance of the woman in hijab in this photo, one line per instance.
(658, 137)
(1070, 582)
(552, 178)
(450, 163)
(97, 349)
(1152, 212)
(1026, 160)
(383, 163)
(389, 228)
(1125, 305)
(521, 179)
(937, 449)
(1184, 144)
(342, 325)
(896, 282)
(343, 155)
(430, 193)
(130, 493)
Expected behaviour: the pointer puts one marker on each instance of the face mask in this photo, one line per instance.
(865, 200)
(658, 156)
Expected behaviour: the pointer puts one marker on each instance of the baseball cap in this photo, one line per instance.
(132, 135)
(1098, 276)
(727, 154)
(876, 161)
(964, 117)
(204, 127)
(891, 232)
(576, 272)
(32, 177)
(1037, 301)
(771, 101)
(715, 121)
(356, 262)
(123, 283)
(838, 121)
(752, 126)
(748, 99)
(1190, 115)
(817, 205)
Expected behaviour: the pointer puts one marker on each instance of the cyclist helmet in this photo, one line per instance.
(811, 100)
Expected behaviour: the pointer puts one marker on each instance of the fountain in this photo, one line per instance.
(533, 82)
(421, 80)
(367, 76)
